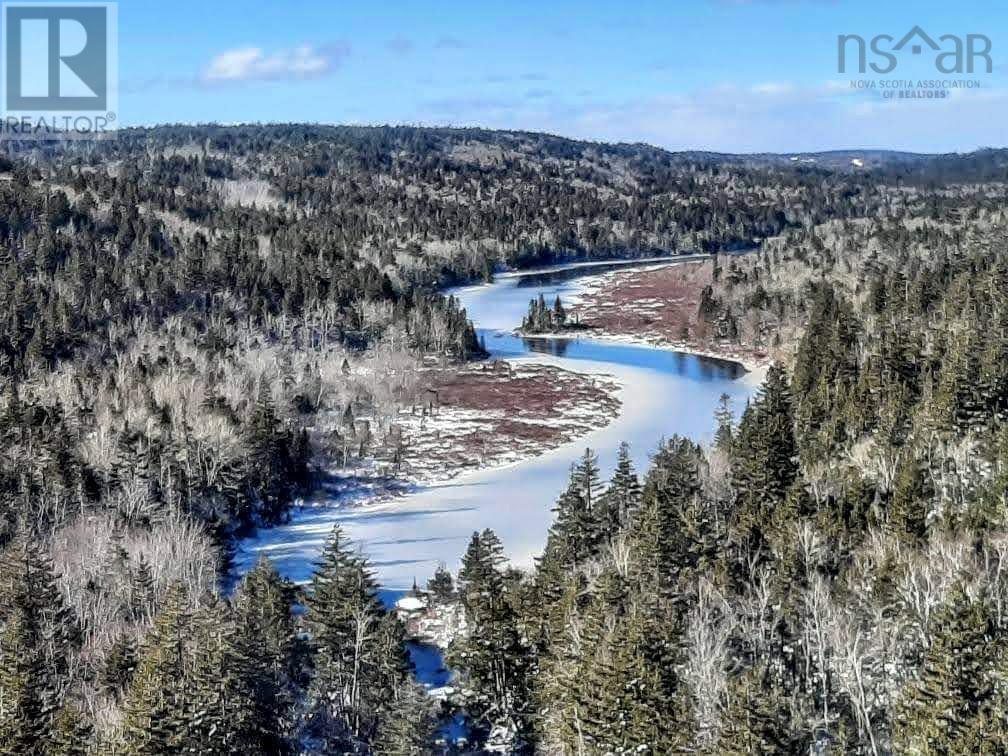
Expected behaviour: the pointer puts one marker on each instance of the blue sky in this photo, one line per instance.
(728, 75)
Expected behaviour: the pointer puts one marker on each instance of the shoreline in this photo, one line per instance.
(747, 362)
(601, 293)
(361, 497)
(621, 262)
(349, 496)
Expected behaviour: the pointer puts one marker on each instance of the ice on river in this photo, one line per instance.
(405, 538)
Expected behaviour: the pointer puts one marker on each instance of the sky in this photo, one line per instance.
(722, 75)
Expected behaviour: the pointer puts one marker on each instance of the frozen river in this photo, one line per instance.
(664, 393)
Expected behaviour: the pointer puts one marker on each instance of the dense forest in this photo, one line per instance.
(201, 320)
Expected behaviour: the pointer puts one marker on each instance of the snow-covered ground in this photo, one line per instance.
(500, 427)
(405, 537)
(593, 293)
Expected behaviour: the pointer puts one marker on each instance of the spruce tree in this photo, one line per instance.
(908, 507)
(576, 528)
(158, 704)
(441, 585)
(621, 500)
(673, 532)
(218, 707)
(493, 658)
(758, 719)
(27, 723)
(119, 665)
(764, 462)
(73, 733)
(586, 478)
(268, 654)
(39, 633)
(358, 654)
(957, 703)
(406, 724)
(724, 418)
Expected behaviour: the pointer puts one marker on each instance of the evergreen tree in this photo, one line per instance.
(559, 314)
(142, 589)
(120, 664)
(26, 718)
(672, 533)
(908, 507)
(493, 659)
(441, 586)
(219, 708)
(724, 418)
(572, 535)
(764, 463)
(758, 719)
(586, 479)
(266, 650)
(73, 733)
(957, 703)
(359, 659)
(407, 723)
(272, 469)
(622, 498)
(39, 633)
(630, 697)
(157, 708)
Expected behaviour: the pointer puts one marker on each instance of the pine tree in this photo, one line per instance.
(765, 461)
(157, 707)
(266, 651)
(493, 659)
(621, 500)
(359, 657)
(957, 703)
(908, 508)
(758, 719)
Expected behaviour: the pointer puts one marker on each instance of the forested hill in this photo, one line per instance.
(420, 203)
(196, 320)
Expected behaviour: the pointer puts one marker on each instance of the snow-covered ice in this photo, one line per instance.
(405, 537)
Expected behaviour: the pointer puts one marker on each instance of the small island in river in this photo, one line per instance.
(543, 319)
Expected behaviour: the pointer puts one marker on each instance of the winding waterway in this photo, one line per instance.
(664, 393)
(405, 538)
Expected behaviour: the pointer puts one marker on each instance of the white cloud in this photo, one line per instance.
(766, 117)
(254, 64)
